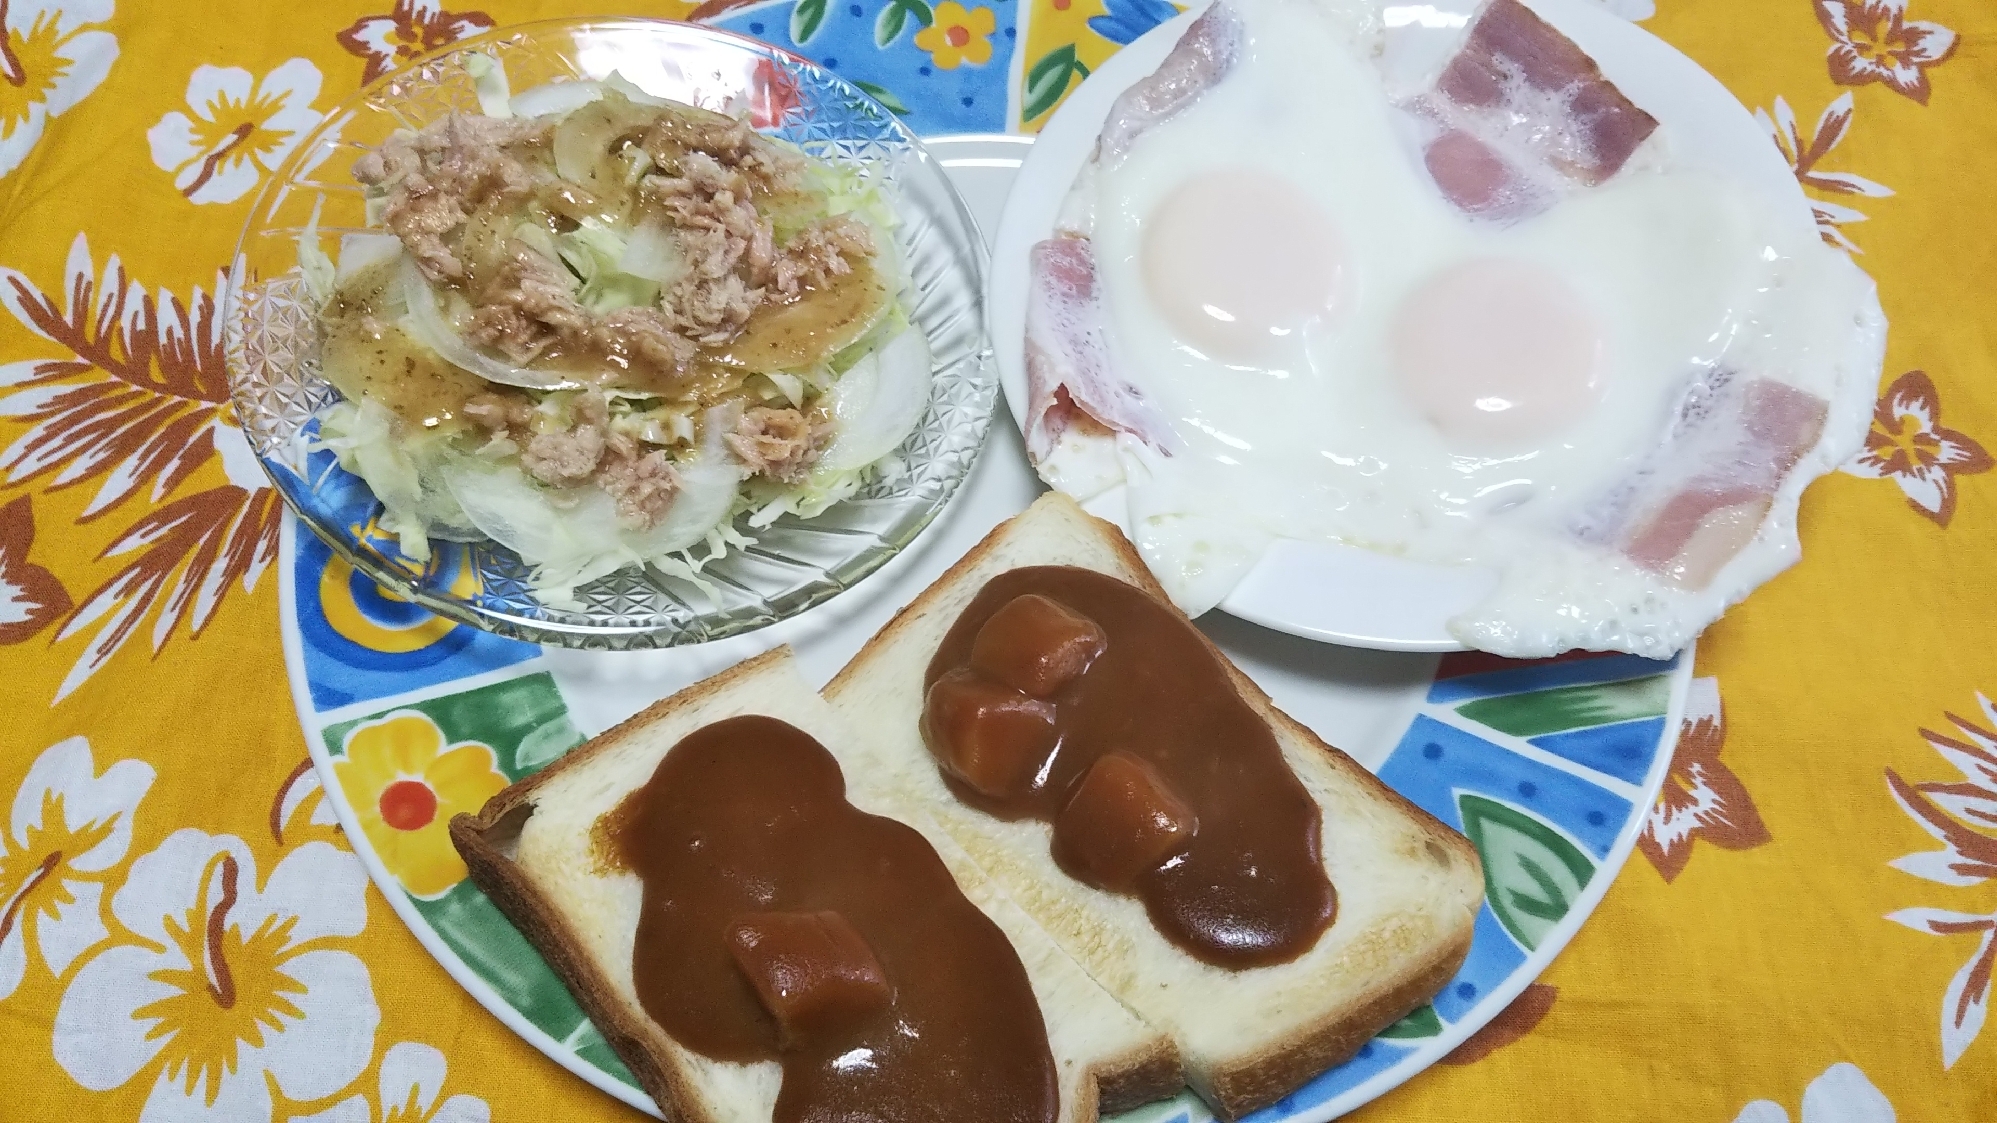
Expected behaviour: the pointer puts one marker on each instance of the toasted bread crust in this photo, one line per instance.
(1138, 1078)
(637, 1041)
(1255, 1082)
(1259, 1079)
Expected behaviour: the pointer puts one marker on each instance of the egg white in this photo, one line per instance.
(1682, 269)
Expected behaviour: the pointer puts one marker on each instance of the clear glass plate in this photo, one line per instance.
(272, 341)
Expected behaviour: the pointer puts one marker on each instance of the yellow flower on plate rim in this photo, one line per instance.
(957, 36)
(404, 784)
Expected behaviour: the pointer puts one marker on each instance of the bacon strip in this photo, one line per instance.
(1511, 53)
(1521, 113)
(1071, 383)
(1747, 445)
(1070, 378)
(1205, 54)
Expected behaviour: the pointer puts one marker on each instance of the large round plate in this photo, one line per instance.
(1548, 766)
(1326, 590)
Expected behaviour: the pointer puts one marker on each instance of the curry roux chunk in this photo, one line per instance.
(1036, 645)
(781, 923)
(812, 970)
(1122, 821)
(988, 735)
(1065, 695)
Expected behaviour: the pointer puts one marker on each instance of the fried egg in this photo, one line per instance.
(1344, 354)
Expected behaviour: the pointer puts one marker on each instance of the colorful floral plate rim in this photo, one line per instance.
(1549, 767)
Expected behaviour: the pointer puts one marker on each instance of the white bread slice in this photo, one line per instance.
(529, 849)
(1408, 887)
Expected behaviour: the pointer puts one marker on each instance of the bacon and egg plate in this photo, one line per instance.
(1485, 316)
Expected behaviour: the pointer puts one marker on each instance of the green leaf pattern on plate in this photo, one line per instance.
(1571, 707)
(805, 20)
(1420, 1022)
(888, 26)
(1048, 79)
(1532, 873)
(883, 95)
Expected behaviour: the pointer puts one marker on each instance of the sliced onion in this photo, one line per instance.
(617, 81)
(359, 252)
(708, 484)
(878, 401)
(653, 253)
(427, 323)
(555, 97)
(566, 547)
(581, 143)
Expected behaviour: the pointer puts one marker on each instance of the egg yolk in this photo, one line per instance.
(1239, 260)
(1496, 353)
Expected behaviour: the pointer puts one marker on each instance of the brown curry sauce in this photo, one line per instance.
(782, 923)
(1091, 705)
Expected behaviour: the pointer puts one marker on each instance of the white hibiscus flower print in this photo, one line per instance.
(1962, 816)
(412, 1079)
(236, 987)
(1805, 155)
(69, 826)
(242, 126)
(52, 55)
(1841, 1095)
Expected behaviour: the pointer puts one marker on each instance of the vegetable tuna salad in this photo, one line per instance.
(596, 326)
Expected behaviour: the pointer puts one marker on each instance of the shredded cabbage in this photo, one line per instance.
(399, 468)
(595, 253)
(821, 489)
(848, 189)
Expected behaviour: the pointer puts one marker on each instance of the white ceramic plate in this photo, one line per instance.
(1322, 590)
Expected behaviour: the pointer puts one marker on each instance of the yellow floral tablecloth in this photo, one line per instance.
(1809, 933)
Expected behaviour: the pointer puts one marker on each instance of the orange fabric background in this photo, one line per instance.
(1765, 958)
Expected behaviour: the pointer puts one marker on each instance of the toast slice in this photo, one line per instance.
(529, 849)
(1408, 887)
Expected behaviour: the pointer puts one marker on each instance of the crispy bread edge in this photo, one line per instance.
(1138, 1077)
(638, 1042)
(1262, 1078)
(1256, 1081)
(635, 1040)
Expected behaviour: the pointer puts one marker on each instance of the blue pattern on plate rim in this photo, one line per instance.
(368, 643)
(845, 39)
(1444, 763)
